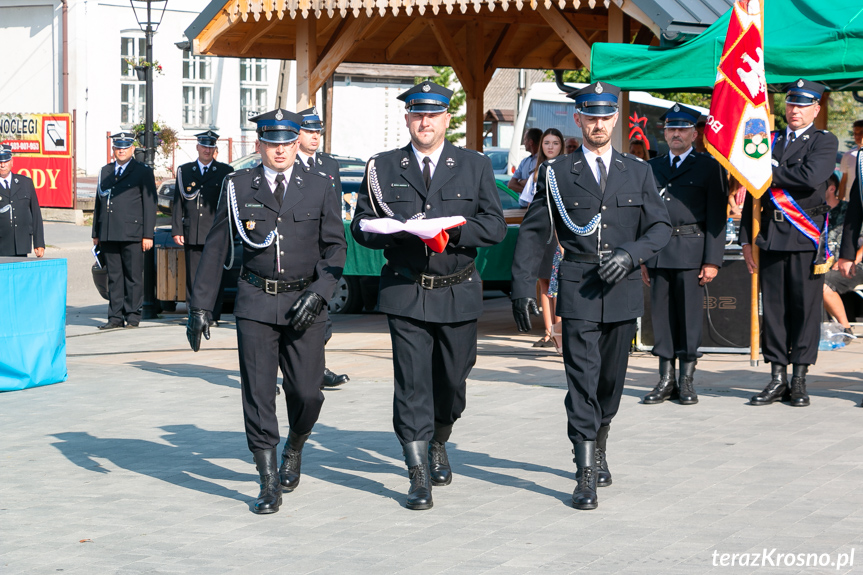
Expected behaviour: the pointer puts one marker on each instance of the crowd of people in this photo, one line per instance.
(599, 224)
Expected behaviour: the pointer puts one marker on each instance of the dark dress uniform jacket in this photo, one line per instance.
(193, 219)
(21, 225)
(695, 193)
(311, 238)
(634, 219)
(463, 185)
(853, 223)
(328, 165)
(803, 168)
(128, 213)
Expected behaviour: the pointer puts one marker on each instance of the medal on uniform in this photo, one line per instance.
(250, 225)
(193, 183)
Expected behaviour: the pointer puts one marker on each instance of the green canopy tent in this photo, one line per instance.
(814, 39)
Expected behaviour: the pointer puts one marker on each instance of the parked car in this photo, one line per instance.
(499, 157)
(348, 165)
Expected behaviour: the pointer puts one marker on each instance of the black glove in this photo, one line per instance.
(305, 310)
(522, 309)
(454, 235)
(617, 267)
(196, 326)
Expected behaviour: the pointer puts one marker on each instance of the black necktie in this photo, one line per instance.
(603, 175)
(280, 188)
(311, 163)
(119, 170)
(427, 172)
(791, 137)
(5, 185)
(674, 163)
(204, 170)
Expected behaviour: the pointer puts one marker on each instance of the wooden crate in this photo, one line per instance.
(170, 274)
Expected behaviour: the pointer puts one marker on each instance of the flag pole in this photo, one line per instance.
(754, 324)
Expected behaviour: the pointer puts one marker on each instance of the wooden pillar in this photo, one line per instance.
(619, 138)
(824, 113)
(307, 60)
(328, 114)
(474, 94)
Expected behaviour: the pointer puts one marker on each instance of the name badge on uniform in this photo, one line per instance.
(254, 205)
(250, 225)
(399, 186)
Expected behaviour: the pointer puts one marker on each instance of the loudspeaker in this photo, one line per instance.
(726, 310)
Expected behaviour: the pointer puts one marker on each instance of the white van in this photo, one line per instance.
(546, 106)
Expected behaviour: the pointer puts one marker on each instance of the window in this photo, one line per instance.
(253, 90)
(197, 91)
(132, 91)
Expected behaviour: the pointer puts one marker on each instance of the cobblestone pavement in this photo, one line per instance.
(138, 464)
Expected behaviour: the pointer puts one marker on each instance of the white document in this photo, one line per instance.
(426, 229)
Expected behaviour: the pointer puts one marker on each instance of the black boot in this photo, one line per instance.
(584, 496)
(798, 385)
(777, 387)
(334, 379)
(667, 387)
(687, 389)
(439, 468)
(292, 460)
(603, 475)
(416, 457)
(270, 496)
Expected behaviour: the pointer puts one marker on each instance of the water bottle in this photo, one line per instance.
(730, 232)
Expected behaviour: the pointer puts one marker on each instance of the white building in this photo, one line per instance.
(192, 94)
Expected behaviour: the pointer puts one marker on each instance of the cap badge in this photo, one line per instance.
(799, 83)
(676, 108)
(426, 88)
(598, 88)
(279, 114)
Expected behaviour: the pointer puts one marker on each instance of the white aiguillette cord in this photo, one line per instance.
(235, 211)
(592, 225)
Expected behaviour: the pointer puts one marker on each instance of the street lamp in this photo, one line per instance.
(149, 27)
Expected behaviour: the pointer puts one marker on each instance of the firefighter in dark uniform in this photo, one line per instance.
(432, 300)
(694, 188)
(803, 159)
(852, 226)
(20, 216)
(294, 250)
(124, 218)
(319, 162)
(609, 219)
(199, 184)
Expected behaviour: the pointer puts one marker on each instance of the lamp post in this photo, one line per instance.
(149, 27)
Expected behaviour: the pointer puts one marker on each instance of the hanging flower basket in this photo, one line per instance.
(141, 72)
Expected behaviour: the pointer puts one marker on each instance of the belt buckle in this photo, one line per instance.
(778, 216)
(427, 281)
(271, 286)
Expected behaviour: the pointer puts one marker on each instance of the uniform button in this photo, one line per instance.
(605, 245)
(458, 195)
(281, 253)
(630, 201)
(282, 271)
(669, 185)
(433, 254)
(641, 260)
(428, 207)
(278, 219)
(667, 199)
(281, 237)
(604, 207)
(576, 203)
(604, 226)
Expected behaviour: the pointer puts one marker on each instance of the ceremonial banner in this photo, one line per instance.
(737, 132)
(42, 150)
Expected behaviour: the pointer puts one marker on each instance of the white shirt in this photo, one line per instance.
(304, 159)
(434, 157)
(121, 167)
(591, 157)
(797, 133)
(683, 156)
(202, 166)
(6, 183)
(848, 167)
(271, 174)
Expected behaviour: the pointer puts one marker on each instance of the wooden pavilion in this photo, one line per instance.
(474, 37)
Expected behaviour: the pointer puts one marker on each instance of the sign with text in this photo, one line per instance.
(42, 151)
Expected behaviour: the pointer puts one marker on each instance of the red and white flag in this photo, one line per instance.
(737, 132)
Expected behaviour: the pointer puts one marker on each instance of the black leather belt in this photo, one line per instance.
(428, 281)
(273, 287)
(587, 258)
(687, 229)
(779, 215)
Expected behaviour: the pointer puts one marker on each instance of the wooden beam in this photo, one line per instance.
(212, 32)
(453, 56)
(340, 27)
(249, 39)
(346, 42)
(307, 56)
(569, 34)
(501, 46)
(643, 36)
(475, 112)
(409, 33)
(558, 58)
